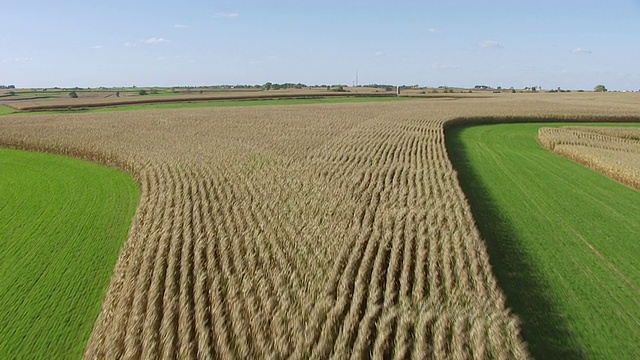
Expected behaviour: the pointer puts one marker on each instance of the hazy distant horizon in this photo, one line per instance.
(248, 86)
(570, 44)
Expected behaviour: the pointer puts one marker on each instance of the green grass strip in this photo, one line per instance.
(564, 241)
(63, 222)
(5, 110)
(256, 102)
(217, 103)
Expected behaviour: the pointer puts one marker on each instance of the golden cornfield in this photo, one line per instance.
(614, 152)
(308, 231)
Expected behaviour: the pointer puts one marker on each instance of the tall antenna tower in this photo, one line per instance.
(356, 78)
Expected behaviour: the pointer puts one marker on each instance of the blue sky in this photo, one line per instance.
(564, 43)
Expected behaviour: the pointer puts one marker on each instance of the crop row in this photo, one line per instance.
(303, 231)
(614, 152)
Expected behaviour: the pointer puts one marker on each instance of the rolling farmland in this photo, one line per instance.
(327, 230)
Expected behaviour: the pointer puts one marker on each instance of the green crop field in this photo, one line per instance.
(563, 241)
(62, 224)
(4, 110)
(252, 102)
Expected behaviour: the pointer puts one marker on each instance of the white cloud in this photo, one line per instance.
(378, 53)
(226, 15)
(181, 26)
(490, 44)
(97, 47)
(18, 59)
(154, 40)
(581, 51)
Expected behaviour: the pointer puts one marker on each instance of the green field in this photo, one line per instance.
(564, 241)
(255, 102)
(62, 224)
(5, 110)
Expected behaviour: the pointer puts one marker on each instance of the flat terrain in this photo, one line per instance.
(62, 224)
(4, 110)
(60, 100)
(562, 238)
(307, 231)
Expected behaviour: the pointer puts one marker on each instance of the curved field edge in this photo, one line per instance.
(6, 110)
(432, 154)
(160, 103)
(616, 155)
(63, 222)
(559, 237)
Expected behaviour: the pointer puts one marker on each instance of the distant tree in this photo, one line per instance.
(600, 88)
(267, 86)
(11, 87)
(513, 91)
(73, 94)
(143, 92)
(12, 93)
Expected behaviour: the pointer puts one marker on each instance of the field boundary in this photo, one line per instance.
(65, 222)
(512, 266)
(527, 294)
(394, 159)
(88, 104)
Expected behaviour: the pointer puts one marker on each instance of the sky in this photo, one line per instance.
(571, 44)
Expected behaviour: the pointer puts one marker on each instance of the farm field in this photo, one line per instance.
(309, 231)
(86, 100)
(613, 151)
(259, 102)
(5, 110)
(62, 224)
(562, 239)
